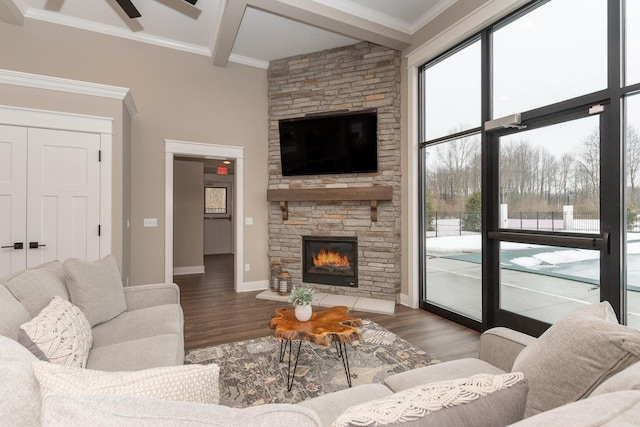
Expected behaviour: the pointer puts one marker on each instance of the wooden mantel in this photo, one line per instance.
(373, 194)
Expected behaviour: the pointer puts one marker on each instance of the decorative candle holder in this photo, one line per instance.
(274, 279)
(284, 283)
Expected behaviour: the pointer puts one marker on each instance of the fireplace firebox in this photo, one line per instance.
(330, 260)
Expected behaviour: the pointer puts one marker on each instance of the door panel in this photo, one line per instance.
(13, 186)
(63, 206)
(549, 240)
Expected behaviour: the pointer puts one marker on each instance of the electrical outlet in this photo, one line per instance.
(248, 221)
(151, 222)
(247, 267)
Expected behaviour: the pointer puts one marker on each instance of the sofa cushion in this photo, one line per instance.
(150, 352)
(628, 379)
(96, 288)
(35, 287)
(186, 383)
(59, 334)
(19, 390)
(61, 410)
(575, 355)
(157, 320)
(619, 409)
(440, 372)
(480, 400)
(12, 314)
(331, 405)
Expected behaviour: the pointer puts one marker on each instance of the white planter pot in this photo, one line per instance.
(303, 312)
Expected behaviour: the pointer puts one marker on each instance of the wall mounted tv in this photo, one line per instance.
(345, 142)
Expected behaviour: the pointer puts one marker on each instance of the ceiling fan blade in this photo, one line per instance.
(191, 1)
(129, 8)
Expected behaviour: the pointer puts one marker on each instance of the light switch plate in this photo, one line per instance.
(151, 222)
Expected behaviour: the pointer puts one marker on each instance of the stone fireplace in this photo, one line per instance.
(330, 260)
(362, 206)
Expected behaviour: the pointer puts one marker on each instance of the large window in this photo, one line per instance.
(545, 57)
(522, 164)
(632, 144)
(632, 41)
(451, 170)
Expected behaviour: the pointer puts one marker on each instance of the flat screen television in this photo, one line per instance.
(329, 144)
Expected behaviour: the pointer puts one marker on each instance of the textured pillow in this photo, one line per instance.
(63, 410)
(96, 288)
(59, 334)
(35, 287)
(575, 355)
(618, 409)
(13, 314)
(629, 379)
(446, 403)
(19, 391)
(189, 383)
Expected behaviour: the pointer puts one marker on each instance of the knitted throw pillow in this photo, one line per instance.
(442, 403)
(189, 383)
(59, 334)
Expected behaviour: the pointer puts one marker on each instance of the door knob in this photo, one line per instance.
(17, 245)
(35, 245)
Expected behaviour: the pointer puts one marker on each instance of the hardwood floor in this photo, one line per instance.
(215, 314)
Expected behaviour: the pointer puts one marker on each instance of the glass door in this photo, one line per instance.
(546, 237)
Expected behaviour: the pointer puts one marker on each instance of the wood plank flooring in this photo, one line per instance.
(215, 314)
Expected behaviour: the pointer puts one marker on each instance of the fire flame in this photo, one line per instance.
(330, 258)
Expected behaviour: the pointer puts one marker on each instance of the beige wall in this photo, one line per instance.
(188, 213)
(179, 96)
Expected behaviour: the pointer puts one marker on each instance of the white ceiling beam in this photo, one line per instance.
(231, 18)
(306, 12)
(10, 13)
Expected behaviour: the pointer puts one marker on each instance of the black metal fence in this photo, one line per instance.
(459, 223)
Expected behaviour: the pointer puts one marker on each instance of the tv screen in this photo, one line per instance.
(336, 143)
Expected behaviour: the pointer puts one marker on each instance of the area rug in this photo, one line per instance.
(251, 373)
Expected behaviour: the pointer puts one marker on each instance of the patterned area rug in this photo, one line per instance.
(251, 373)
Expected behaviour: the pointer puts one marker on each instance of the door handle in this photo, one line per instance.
(35, 245)
(17, 245)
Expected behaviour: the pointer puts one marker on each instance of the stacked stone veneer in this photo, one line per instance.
(355, 77)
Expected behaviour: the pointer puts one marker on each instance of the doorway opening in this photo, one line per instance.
(197, 150)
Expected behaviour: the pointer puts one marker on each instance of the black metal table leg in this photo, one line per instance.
(342, 353)
(290, 376)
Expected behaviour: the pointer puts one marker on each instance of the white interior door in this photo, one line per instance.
(13, 188)
(63, 196)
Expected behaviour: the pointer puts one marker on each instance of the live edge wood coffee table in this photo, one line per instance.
(333, 325)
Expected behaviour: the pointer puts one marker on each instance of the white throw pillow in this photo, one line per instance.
(188, 383)
(443, 397)
(60, 334)
(96, 288)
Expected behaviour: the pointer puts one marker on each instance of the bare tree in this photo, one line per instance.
(632, 157)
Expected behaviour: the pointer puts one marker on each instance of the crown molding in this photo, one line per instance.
(431, 15)
(252, 62)
(56, 18)
(17, 78)
(464, 28)
(386, 20)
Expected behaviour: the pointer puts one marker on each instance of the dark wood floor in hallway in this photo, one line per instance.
(215, 314)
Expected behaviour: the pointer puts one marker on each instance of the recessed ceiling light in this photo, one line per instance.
(227, 162)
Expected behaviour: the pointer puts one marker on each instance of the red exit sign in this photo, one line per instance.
(222, 170)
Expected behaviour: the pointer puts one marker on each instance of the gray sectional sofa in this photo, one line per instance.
(584, 371)
(146, 325)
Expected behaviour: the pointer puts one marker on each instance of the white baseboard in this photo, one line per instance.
(196, 269)
(258, 285)
(406, 301)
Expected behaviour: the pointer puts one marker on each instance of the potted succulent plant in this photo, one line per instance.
(301, 298)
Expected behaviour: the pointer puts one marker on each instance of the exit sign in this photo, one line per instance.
(222, 170)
